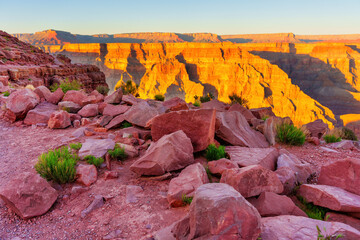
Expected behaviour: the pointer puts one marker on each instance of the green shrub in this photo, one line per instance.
(129, 88)
(66, 85)
(264, 118)
(207, 98)
(90, 159)
(118, 153)
(58, 165)
(234, 98)
(103, 89)
(329, 138)
(313, 211)
(75, 146)
(159, 97)
(196, 103)
(214, 153)
(186, 200)
(289, 134)
(6, 93)
(126, 124)
(348, 134)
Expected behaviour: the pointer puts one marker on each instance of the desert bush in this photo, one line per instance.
(289, 134)
(75, 146)
(186, 200)
(159, 97)
(57, 165)
(103, 89)
(126, 124)
(196, 103)
(90, 159)
(207, 98)
(66, 85)
(128, 88)
(348, 134)
(118, 153)
(214, 153)
(234, 98)
(6, 93)
(330, 138)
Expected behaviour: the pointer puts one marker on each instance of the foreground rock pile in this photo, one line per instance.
(249, 194)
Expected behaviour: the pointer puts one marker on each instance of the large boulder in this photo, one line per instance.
(175, 104)
(261, 113)
(243, 110)
(215, 104)
(96, 147)
(244, 156)
(186, 183)
(303, 228)
(337, 217)
(271, 125)
(22, 101)
(90, 110)
(115, 122)
(28, 195)
(334, 198)
(288, 178)
(252, 180)
(316, 128)
(219, 166)
(40, 114)
(271, 204)
(55, 97)
(140, 113)
(198, 125)
(343, 173)
(42, 92)
(115, 97)
(69, 106)
(114, 110)
(235, 130)
(59, 119)
(75, 96)
(219, 212)
(171, 152)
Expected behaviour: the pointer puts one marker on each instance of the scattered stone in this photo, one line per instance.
(114, 110)
(22, 101)
(140, 113)
(244, 156)
(113, 235)
(69, 106)
(271, 204)
(28, 195)
(59, 119)
(78, 132)
(344, 144)
(175, 104)
(261, 113)
(56, 96)
(77, 190)
(316, 128)
(219, 166)
(328, 150)
(110, 175)
(115, 97)
(90, 110)
(244, 111)
(133, 193)
(343, 173)
(252, 180)
(96, 147)
(337, 217)
(98, 202)
(215, 104)
(40, 114)
(169, 153)
(235, 130)
(186, 183)
(75, 96)
(198, 125)
(86, 174)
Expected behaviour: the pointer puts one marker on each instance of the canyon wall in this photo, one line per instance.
(189, 69)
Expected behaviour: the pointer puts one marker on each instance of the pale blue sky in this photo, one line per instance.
(215, 16)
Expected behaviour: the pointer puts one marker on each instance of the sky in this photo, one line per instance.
(182, 16)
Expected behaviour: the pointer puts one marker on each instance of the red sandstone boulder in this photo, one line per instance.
(235, 130)
(337, 217)
(198, 125)
(186, 183)
(261, 113)
(175, 104)
(75, 96)
(140, 113)
(86, 174)
(130, 99)
(98, 96)
(115, 97)
(56, 96)
(96, 147)
(28, 195)
(219, 212)
(59, 119)
(171, 152)
(334, 198)
(271, 125)
(215, 104)
(219, 166)
(303, 228)
(90, 99)
(344, 144)
(288, 178)
(271, 204)
(42, 92)
(40, 114)
(114, 110)
(244, 111)
(90, 110)
(69, 106)
(136, 132)
(244, 156)
(252, 180)
(343, 173)
(22, 101)
(317, 128)
(115, 122)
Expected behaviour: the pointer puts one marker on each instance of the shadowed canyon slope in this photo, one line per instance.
(189, 69)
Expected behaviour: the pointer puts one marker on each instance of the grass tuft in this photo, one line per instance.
(103, 89)
(348, 134)
(66, 85)
(75, 146)
(118, 153)
(186, 200)
(313, 211)
(330, 138)
(159, 97)
(289, 134)
(214, 153)
(90, 159)
(234, 98)
(6, 93)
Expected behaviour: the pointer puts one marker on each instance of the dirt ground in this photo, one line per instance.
(117, 219)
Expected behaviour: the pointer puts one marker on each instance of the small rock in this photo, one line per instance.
(98, 202)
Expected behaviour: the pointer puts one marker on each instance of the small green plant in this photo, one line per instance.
(58, 165)
(29, 79)
(234, 98)
(289, 134)
(126, 124)
(348, 134)
(208, 173)
(322, 236)
(330, 138)
(118, 153)
(214, 153)
(6, 93)
(103, 89)
(90, 159)
(66, 85)
(129, 88)
(186, 200)
(4, 60)
(313, 211)
(265, 117)
(196, 103)
(207, 98)
(159, 97)
(75, 146)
